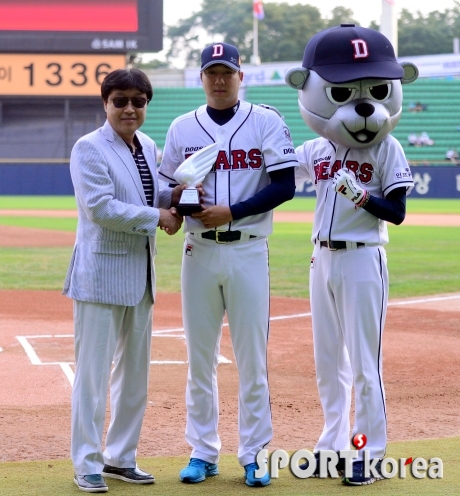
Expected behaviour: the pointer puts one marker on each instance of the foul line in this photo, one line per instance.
(178, 333)
(425, 300)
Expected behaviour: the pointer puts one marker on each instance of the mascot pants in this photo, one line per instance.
(349, 295)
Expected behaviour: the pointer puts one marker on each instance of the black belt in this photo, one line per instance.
(337, 245)
(223, 236)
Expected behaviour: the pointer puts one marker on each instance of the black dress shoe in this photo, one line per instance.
(134, 475)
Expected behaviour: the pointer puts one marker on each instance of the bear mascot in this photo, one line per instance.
(350, 94)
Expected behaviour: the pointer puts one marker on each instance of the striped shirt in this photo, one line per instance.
(144, 171)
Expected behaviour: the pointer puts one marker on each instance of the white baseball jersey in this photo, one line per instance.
(256, 142)
(379, 170)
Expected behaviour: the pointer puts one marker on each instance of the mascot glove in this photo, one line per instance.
(345, 184)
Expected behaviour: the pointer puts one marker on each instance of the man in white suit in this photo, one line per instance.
(111, 279)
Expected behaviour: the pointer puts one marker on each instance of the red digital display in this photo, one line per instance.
(75, 15)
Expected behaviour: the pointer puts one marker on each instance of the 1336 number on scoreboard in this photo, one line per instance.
(53, 75)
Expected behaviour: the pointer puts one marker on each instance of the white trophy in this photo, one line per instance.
(192, 172)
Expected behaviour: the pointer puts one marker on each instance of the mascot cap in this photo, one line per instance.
(220, 53)
(347, 53)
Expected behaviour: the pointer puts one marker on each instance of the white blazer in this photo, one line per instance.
(116, 228)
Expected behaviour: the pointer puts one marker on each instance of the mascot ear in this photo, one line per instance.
(410, 73)
(296, 77)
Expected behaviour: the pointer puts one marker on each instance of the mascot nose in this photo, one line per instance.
(364, 109)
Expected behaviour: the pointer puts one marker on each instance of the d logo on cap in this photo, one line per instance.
(218, 51)
(360, 48)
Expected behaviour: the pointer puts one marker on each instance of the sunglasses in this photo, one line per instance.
(121, 101)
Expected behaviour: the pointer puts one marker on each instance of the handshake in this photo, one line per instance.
(170, 220)
(344, 183)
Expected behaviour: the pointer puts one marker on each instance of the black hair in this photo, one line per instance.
(126, 79)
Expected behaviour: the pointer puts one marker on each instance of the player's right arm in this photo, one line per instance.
(280, 162)
(280, 190)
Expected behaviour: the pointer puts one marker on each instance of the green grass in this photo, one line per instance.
(20, 202)
(432, 206)
(298, 204)
(33, 268)
(421, 261)
(54, 478)
(290, 252)
(53, 223)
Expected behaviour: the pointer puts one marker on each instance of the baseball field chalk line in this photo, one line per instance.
(176, 333)
(425, 300)
(66, 366)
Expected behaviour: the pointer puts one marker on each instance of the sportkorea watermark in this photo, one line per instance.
(419, 468)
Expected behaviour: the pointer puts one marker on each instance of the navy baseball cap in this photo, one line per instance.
(220, 53)
(347, 53)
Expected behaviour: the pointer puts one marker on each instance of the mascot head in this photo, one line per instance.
(350, 85)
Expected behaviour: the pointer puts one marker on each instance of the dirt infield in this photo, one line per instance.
(421, 363)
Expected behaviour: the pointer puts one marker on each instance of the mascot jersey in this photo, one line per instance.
(379, 170)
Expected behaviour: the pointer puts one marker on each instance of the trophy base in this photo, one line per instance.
(189, 202)
(188, 209)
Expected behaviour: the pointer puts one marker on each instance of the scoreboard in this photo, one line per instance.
(81, 26)
(66, 47)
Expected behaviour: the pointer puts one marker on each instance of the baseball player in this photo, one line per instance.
(350, 93)
(225, 260)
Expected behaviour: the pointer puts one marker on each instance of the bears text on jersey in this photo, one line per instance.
(241, 159)
(363, 172)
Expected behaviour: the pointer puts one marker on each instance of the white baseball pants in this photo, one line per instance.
(349, 295)
(232, 278)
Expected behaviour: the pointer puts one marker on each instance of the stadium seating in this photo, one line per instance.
(166, 105)
(441, 120)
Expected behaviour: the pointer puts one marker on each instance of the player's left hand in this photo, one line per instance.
(176, 194)
(214, 216)
(345, 183)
